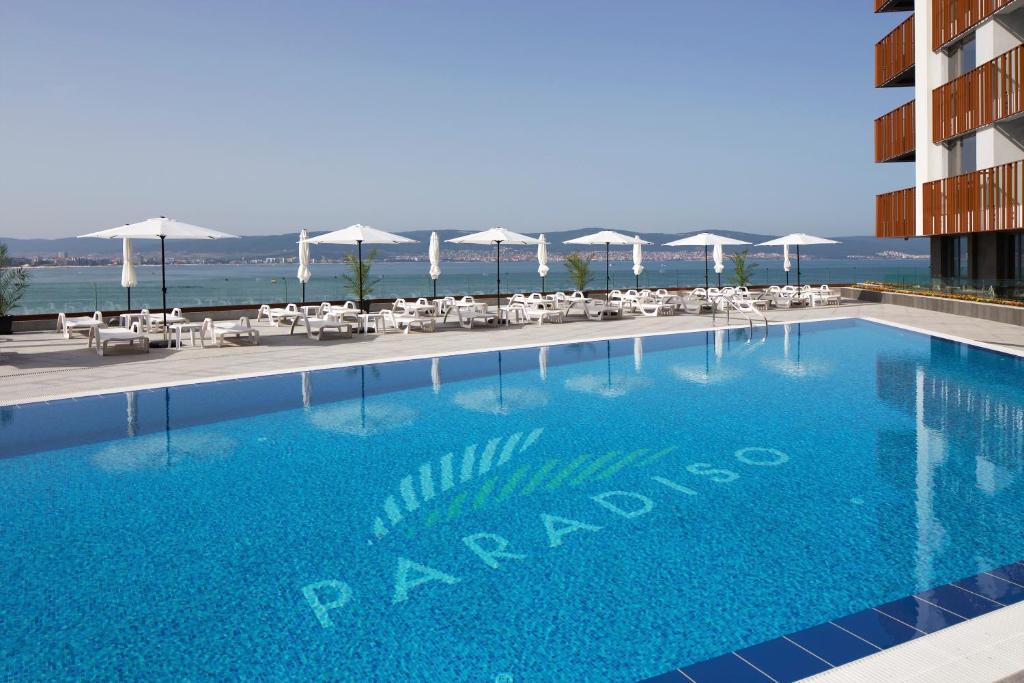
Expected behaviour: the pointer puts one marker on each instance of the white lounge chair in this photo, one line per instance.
(601, 310)
(81, 324)
(651, 308)
(828, 296)
(317, 326)
(278, 316)
(103, 337)
(219, 331)
(407, 321)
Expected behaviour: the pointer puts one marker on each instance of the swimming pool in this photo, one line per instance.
(604, 510)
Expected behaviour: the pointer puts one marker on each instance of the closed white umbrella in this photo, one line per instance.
(162, 229)
(542, 260)
(607, 238)
(787, 265)
(719, 257)
(704, 239)
(359, 235)
(304, 272)
(128, 277)
(497, 237)
(638, 259)
(797, 239)
(434, 253)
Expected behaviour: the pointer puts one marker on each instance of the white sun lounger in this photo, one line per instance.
(317, 326)
(407, 321)
(103, 337)
(278, 316)
(82, 324)
(219, 331)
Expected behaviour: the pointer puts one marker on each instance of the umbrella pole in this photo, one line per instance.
(798, 265)
(705, 266)
(163, 280)
(435, 287)
(497, 258)
(359, 274)
(607, 279)
(129, 299)
(303, 292)
(542, 292)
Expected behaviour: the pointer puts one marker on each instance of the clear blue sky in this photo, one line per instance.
(262, 116)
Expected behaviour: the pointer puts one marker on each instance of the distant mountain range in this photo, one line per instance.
(266, 246)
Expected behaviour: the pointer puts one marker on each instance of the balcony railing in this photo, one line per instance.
(953, 18)
(981, 201)
(984, 95)
(894, 56)
(894, 135)
(896, 214)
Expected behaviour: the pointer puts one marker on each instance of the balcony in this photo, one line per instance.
(894, 135)
(990, 93)
(894, 6)
(953, 18)
(894, 57)
(896, 214)
(982, 201)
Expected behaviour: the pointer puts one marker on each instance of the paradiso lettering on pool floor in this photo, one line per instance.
(456, 485)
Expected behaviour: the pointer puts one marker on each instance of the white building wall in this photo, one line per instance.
(929, 73)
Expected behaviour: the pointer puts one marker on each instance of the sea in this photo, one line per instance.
(54, 289)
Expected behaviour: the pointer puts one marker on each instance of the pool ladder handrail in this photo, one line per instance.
(730, 304)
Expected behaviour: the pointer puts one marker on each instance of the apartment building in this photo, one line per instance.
(961, 63)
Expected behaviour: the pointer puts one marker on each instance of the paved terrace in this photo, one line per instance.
(38, 366)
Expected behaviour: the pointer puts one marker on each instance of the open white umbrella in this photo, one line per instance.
(304, 273)
(704, 239)
(128, 277)
(607, 238)
(161, 228)
(360, 235)
(497, 237)
(638, 258)
(796, 239)
(434, 254)
(542, 260)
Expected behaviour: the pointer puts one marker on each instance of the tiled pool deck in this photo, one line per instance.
(971, 630)
(826, 647)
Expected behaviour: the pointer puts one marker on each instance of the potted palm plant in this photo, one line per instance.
(744, 274)
(13, 281)
(579, 270)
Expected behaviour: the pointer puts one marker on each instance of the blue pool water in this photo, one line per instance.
(596, 511)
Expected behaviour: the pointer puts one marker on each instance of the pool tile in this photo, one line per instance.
(919, 614)
(878, 629)
(993, 588)
(725, 669)
(967, 605)
(833, 644)
(1011, 572)
(782, 660)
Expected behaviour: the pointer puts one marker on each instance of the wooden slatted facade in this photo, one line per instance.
(952, 18)
(982, 201)
(894, 134)
(984, 95)
(894, 54)
(896, 213)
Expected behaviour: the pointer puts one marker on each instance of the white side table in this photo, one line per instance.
(191, 328)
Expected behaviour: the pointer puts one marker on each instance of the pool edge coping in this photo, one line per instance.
(512, 347)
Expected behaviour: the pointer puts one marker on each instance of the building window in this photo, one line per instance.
(963, 155)
(963, 57)
(961, 258)
(1017, 259)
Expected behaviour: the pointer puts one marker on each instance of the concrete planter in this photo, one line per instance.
(1012, 315)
